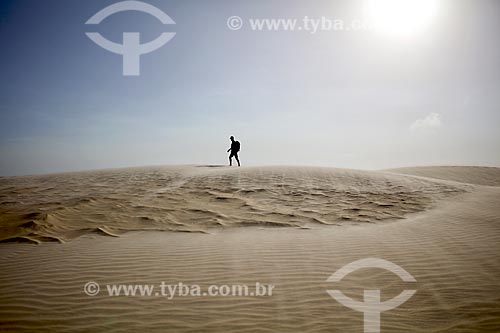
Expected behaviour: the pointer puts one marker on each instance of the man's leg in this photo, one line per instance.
(237, 159)
(231, 159)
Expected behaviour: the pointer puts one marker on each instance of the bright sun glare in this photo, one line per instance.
(400, 17)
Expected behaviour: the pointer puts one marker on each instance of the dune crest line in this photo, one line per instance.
(61, 207)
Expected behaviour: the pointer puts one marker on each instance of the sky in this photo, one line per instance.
(365, 99)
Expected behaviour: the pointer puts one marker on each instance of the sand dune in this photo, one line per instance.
(445, 233)
(197, 199)
(488, 176)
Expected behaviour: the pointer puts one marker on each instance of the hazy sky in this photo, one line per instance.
(357, 99)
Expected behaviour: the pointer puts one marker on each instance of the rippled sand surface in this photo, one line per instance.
(444, 233)
(61, 207)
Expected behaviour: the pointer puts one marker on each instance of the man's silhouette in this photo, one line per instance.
(235, 148)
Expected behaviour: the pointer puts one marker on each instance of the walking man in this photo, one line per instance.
(235, 148)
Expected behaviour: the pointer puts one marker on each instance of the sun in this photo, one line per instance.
(400, 17)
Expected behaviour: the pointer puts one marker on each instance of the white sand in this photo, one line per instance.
(487, 176)
(446, 234)
(62, 207)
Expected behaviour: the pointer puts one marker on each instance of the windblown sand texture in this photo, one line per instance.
(288, 226)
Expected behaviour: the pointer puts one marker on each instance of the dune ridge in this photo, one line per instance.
(61, 207)
(486, 176)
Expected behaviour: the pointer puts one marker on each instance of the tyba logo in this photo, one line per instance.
(131, 49)
(371, 305)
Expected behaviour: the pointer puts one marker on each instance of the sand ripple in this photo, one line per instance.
(452, 251)
(61, 207)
